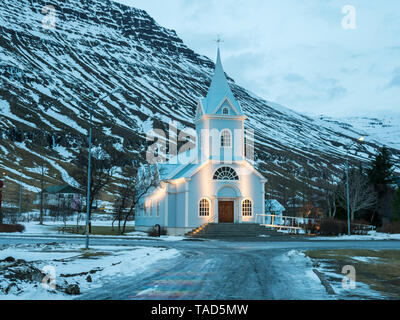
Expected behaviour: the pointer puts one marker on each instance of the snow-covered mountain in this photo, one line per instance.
(49, 77)
(384, 129)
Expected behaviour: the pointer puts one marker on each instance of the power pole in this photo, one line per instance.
(20, 200)
(1, 198)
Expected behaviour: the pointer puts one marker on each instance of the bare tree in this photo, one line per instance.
(43, 172)
(137, 184)
(328, 188)
(121, 205)
(362, 195)
(104, 162)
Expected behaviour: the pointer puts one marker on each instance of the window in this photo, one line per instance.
(147, 206)
(225, 111)
(226, 138)
(151, 209)
(225, 173)
(202, 140)
(247, 208)
(158, 209)
(204, 208)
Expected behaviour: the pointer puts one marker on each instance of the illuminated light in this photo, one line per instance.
(361, 139)
(178, 181)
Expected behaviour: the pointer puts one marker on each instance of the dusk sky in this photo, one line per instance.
(297, 53)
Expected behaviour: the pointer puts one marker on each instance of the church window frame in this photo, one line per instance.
(225, 173)
(146, 208)
(150, 209)
(204, 210)
(226, 138)
(247, 208)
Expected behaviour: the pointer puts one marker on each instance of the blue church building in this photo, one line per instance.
(219, 185)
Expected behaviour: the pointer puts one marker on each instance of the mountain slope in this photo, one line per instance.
(49, 78)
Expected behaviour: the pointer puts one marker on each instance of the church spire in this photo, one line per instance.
(219, 89)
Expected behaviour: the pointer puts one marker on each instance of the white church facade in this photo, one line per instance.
(220, 185)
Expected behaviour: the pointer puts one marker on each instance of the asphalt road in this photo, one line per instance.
(217, 270)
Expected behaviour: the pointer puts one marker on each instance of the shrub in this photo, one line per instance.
(153, 232)
(359, 227)
(11, 228)
(391, 227)
(332, 227)
(311, 227)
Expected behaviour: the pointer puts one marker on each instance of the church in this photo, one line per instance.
(220, 185)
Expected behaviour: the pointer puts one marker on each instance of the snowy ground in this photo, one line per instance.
(49, 228)
(302, 271)
(71, 265)
(368, 270)
(297, 270)
(372, 235)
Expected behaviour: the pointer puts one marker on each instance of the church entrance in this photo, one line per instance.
(225, 212)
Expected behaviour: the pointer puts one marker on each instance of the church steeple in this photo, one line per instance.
(219, 91)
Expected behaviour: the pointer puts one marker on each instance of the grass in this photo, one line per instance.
(382, 274)
(97, 230)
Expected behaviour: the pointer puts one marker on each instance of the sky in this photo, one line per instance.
(330, 57)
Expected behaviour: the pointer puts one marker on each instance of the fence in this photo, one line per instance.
(304, 225)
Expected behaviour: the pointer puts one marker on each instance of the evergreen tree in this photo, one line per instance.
(380, 174)
(381, 169)
(396, 206)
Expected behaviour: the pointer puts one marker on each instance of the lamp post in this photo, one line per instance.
(361, 139)
(20, 194)
(88, 223)
(1, 197)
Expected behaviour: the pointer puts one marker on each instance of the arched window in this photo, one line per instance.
(150, 209)
(225, 111)
(225, 173)
(226, 138)
(204, 208)
(247, 210)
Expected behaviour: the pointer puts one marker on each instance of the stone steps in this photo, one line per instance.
(232, 230)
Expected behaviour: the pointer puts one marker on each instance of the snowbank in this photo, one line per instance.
(72, 265)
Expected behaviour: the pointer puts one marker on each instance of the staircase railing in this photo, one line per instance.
(292, 224)
(211, 219)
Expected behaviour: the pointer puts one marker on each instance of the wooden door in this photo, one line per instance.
(225, 211)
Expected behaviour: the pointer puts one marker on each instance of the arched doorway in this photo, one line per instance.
(227, 195)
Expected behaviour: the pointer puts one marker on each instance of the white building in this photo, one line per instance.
(219, 184)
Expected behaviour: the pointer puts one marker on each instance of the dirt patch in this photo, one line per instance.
(379, 269)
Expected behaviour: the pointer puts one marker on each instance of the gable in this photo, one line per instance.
(226, 105)
(199, 110)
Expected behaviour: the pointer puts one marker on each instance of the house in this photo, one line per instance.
(273, 208)
(218, 183)
(62, 195)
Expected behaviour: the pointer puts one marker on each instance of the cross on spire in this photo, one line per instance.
(218, 40)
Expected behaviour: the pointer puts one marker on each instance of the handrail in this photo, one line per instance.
(300, 222)
(212, 218)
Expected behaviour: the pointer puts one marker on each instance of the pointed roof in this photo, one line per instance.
(219, 90)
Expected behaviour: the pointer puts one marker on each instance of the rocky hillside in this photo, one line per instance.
(50, 76)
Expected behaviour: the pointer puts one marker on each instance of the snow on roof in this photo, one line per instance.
(178, 166)
(219, 90)
(273, 205)
(61, 189)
